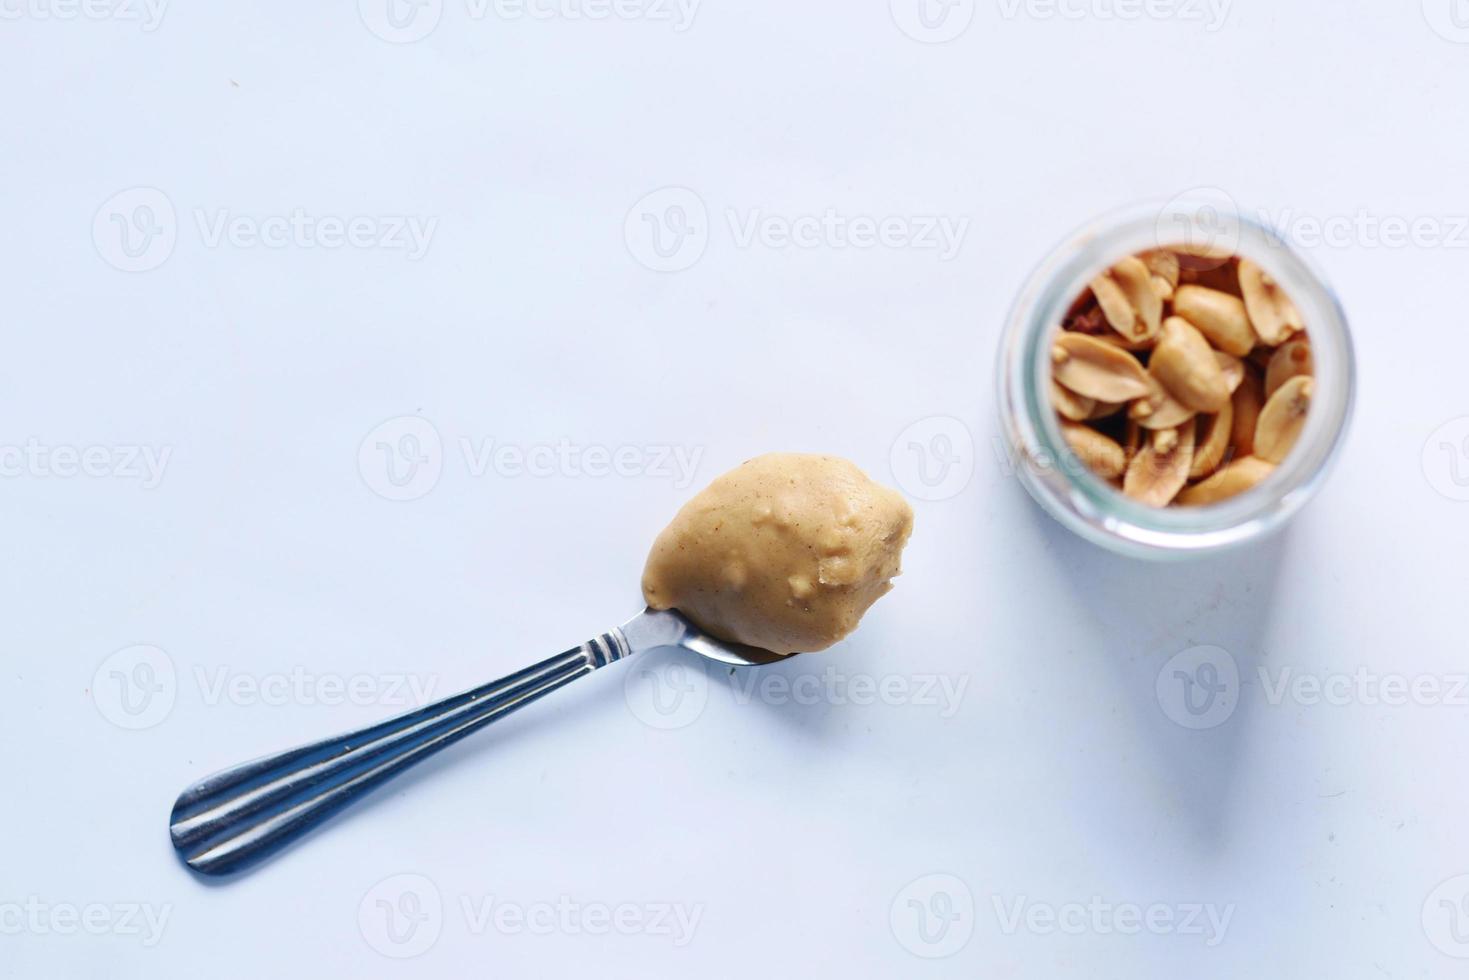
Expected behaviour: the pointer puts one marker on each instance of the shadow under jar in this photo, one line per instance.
(1065, 486)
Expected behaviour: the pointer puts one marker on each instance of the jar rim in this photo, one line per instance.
(1086, 503)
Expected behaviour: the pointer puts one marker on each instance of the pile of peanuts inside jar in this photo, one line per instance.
(1182, 378)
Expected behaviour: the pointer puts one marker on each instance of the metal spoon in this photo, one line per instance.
(235, 818)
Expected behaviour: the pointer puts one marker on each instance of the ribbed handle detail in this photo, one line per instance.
(242, 815)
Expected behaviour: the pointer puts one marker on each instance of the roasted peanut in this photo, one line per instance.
(1219, 316)
(1132, 346)
(1096, 369)
(1100, 453)
(1272, 314)
(1185, 363)
(1077, 408)
(1291, 359)
(1248, 399)
(1132, 438)
(1159, 410)
(1233, 368)
(1233, 479)
(1164, 267)
(1128, 299)
(1283, 418)
(1160, 469)
(1213, 442)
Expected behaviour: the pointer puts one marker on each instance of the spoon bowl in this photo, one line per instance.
(651, 629)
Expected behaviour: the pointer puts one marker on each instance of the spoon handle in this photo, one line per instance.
(234, 818)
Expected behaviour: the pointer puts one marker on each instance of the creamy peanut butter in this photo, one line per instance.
(785, 552)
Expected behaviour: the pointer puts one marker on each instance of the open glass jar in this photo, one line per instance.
(1064, 486)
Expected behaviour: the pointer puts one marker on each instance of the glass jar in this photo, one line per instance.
(1088, 505)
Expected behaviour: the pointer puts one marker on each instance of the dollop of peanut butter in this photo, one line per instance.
(786, 552)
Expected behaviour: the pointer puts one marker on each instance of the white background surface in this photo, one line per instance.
(1330, 834)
